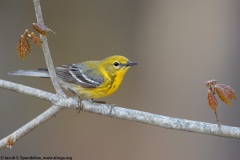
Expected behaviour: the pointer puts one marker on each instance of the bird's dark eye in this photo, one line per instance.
(116, 64)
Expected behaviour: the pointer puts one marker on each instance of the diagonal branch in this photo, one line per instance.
(30, 125)
(46, 50)
(112, 111)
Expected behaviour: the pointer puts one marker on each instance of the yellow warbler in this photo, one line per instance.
(89, 79)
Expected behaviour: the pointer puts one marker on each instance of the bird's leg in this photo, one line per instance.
(80, 105)
(111, 107)
(102, 102)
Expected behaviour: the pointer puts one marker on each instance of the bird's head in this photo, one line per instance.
(117, 65)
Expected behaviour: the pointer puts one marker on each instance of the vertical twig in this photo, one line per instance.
(218, 122)
(46, 51)
(53, 110)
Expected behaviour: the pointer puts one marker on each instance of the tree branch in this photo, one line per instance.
(46, 51)
(55, 99)
(30, 125)
(112, 111)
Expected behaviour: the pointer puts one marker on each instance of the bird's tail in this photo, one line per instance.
(33, 73)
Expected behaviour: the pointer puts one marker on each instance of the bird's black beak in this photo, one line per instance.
(130, 63)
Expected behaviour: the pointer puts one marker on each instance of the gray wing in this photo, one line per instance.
(80, 75)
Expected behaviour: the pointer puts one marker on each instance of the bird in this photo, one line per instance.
(88, 79)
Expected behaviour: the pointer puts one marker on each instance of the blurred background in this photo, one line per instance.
(179, 45)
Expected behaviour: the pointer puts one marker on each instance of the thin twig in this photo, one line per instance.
(15, 136)
(46, 51)
(218, 122)
(119, 112)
